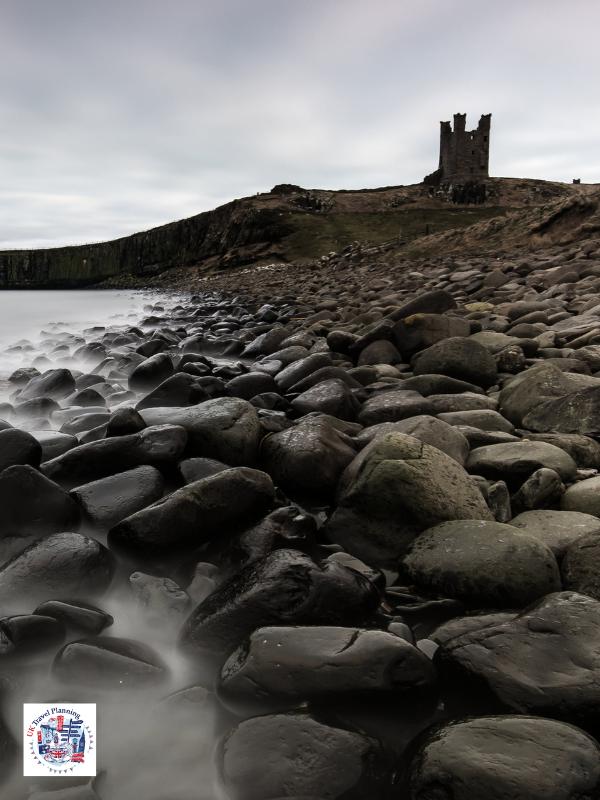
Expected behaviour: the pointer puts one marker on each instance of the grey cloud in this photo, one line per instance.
(118, 116)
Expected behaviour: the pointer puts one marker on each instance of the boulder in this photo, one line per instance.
(420, 331)
(225, 428)
(109, 664)
(292, 755)
(177, 390)
(158, 445)
(283, 667)
(63, 564)
(482, 563)
(427, 429)
(583, 496)
(503, 758)
(107, 501)
(151, 372)
(55, 383)
(458, 357)
(328, 397)
(516, 461)
(308, 458)
(33, 505)
(197, 512)
(395, 488)
(580, 567)
(545, 661)
(80, 617)
(19, 447)
(392, 407)
(557, 529)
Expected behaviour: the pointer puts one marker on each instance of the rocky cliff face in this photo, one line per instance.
(232, 233)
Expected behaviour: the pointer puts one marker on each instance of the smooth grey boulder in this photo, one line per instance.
(516, 461)
(194, 469)
(545, 661)
(580, 568)
(393, 406)
(557, 529)
(55, 383)
(109, 663)
(249, 385)
(578, 412)
(283, 667)
(584, 450)
(332, 396)
(33, 505)
(61, 565)
(19, 447)
(527, 391)
(177, 390)
(109, 500)
(485, 418)
(395, 488)
(459, 357)
(225, 428)
(503, 758)
(298, 370)
(80, 617)
(54, 443)
(197, 512)
(308, 458)
(427, 429)
(157, 445)
(420, 331)
(151, 372)
(124, 421)
(291, 755)
(484, 564)
(583, 496)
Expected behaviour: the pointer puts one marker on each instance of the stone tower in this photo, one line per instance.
(464, 155)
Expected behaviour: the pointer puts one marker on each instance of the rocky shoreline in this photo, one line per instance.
(354, 509)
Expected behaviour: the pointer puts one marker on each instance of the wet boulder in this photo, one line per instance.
(63, 564)
(393, 406)
(33, 505)
(503, 758)
(80, 617)
(55, 383)
(308, 458)
(516, 461)
(151, 372)
(19, 447)
(394, 489)
(26, 634)
(558, 529)
(545, 661)
(123, 422)
(427, 429)
(458, 357)
(249, 385)
(178, 390)
(294, 755)
(226, 429)
(107, 501)
(482, 563)
(108, 664)
(332, 397)
(54, 443)
(158, 445)
(283, 667)
(194, 514)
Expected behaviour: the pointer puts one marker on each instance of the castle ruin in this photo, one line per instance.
(464, 160)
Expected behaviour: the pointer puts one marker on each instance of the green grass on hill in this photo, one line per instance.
(317, 234)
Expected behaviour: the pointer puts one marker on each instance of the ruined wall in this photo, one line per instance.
(464, 155)
(230, 232)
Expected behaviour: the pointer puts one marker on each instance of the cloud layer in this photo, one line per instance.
(123, 114)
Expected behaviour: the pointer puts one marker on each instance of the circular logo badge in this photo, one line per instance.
(61, 740)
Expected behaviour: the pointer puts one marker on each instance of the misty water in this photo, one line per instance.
(153, 743)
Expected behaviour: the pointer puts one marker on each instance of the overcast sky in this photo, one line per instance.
(118, 115)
